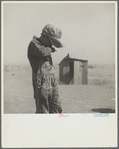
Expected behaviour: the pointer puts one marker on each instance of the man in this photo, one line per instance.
(45, 82)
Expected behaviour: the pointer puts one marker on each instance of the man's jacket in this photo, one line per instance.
(37, 52)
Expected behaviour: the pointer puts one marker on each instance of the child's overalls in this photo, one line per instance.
(46, 89)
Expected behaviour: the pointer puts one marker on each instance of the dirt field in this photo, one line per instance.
(97, 96)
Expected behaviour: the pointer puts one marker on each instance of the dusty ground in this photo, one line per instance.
(18, 93)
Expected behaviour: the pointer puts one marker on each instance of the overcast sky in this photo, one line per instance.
(88, 30)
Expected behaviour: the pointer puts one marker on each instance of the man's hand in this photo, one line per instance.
(53, 50)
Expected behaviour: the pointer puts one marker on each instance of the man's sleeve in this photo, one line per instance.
(39, 50)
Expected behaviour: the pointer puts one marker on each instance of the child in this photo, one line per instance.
(45, 83)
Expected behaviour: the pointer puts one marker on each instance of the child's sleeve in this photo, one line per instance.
(39, 50)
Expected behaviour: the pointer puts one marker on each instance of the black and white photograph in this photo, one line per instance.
(59, 59)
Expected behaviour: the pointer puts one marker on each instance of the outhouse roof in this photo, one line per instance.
(72, 58)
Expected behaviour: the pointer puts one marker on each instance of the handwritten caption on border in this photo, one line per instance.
(95, 115)
(101, 115)
(62, 115)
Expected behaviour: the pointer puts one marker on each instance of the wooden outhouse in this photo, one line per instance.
(73, 71)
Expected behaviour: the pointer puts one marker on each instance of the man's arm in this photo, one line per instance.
(39, 50)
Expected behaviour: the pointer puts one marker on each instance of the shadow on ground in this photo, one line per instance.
(104, 110)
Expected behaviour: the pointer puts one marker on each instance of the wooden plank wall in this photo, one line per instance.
(80, 72)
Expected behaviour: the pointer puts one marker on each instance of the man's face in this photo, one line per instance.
(47, 41)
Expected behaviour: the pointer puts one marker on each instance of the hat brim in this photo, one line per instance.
(57, 42)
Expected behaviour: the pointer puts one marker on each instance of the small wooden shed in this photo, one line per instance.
(73, 71)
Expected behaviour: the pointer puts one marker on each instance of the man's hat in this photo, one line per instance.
(54, 33)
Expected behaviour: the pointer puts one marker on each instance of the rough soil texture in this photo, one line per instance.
(91, 98)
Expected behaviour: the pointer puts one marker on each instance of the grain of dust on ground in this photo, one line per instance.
(18, 95)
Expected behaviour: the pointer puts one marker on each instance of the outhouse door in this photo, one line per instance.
(80, 72)
(84, 73)
(77, 72)
(71, 72)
